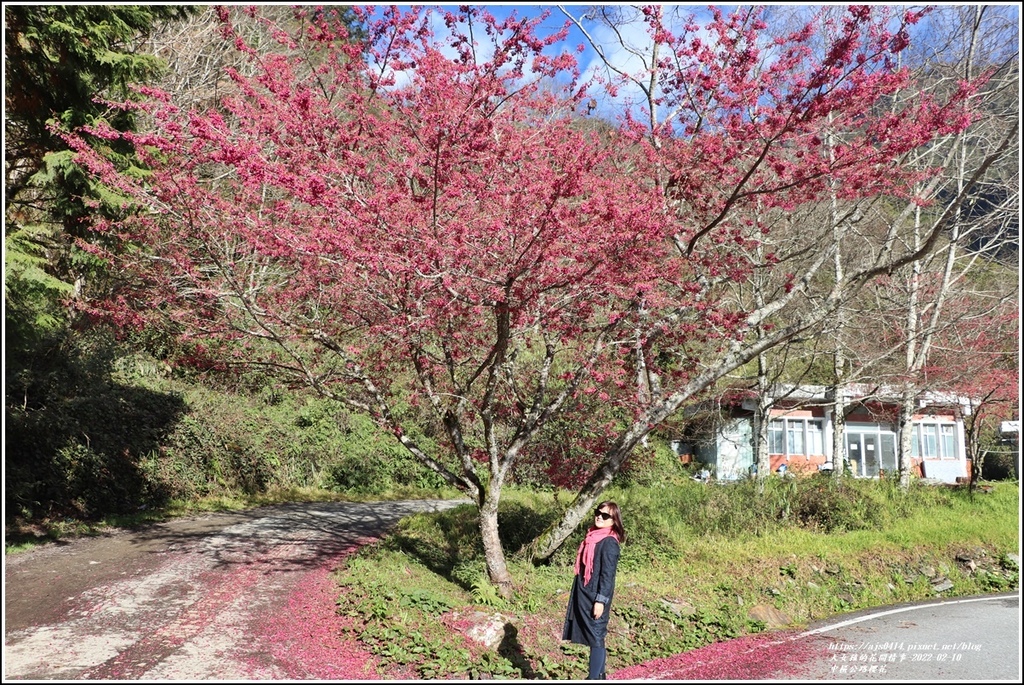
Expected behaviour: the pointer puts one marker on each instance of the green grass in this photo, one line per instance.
(697, 560)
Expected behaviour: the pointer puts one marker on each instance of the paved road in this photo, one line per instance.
(974, 639)
(241, 596)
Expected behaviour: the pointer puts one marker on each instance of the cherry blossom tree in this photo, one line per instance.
(979, 361)
(415, 222)
(402, 227)
(742, 125)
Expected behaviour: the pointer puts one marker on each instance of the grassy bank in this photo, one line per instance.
(703, 563)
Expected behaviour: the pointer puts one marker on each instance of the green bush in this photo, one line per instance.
(92, 430)
(654, 464)
(76, 437)
(372, 462)
(1001, 464)
(829, 504)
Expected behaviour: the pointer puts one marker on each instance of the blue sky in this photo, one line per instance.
(634, 33)
(588, 60)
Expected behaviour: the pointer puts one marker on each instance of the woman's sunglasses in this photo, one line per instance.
(602, 515)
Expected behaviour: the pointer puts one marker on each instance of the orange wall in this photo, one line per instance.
(798, 464)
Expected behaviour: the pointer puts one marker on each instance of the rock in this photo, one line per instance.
(928, 571)
(487, 629)
(679, 608)
(1012, 562)
(812, 585)
(942, 584)
(770, 616)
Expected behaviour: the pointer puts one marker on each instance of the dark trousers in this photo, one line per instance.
(598, 657)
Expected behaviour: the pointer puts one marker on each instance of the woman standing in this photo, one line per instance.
(586, 619)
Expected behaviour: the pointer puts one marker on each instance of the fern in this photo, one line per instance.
(485, 593)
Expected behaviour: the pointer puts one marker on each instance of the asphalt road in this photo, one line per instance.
(966, 639)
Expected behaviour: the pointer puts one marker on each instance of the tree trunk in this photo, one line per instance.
(839, 456)
(905, 428)
(839, 460)
(548, 542)
(494, 554)
(762, 417)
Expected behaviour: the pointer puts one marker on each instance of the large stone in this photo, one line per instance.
(679, 607)
(488, 629)
(770, 616)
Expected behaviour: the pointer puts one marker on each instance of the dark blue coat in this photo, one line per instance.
(580, 626)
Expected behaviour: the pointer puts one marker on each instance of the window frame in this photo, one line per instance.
(937, 437)
(783, 429)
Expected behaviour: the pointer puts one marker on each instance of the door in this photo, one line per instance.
(889, 453)
(854, 453)
(871, 455)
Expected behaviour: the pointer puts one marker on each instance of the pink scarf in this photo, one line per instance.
(586, 551)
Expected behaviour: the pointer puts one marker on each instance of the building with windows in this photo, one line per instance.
(800, 428)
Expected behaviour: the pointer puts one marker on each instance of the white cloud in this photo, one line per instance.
(624, 45)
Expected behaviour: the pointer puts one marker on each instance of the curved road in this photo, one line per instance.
(967, 638)
(241, 596)
(973, 639)
(248, 596)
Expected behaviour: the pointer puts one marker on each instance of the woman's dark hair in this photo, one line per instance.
(613, 509)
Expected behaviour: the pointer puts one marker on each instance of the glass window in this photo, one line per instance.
(795, 437)
(948, 441)
(815, 438)
(888, 446)
(853, 452)
(775, 437)
(872, 449)
(933, 440)
(798, 437)
(930, 440)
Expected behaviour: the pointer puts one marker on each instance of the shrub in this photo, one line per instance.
(828, 504)
(75, 436)
(1001, 465)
